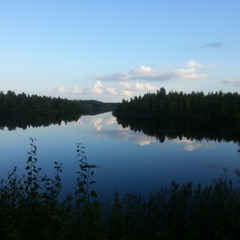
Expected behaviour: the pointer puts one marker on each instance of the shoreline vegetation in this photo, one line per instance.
(195, 106)
(30, 208)
(22, 110)
(12, 104)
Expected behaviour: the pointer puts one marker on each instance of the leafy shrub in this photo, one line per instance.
(30, 208)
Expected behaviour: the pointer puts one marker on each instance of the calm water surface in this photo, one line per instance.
(128, 161)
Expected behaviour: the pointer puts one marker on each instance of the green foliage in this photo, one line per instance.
(87, 207)
(15, 104)
(21, 110)
(174, 105)
(30, 208)
(84, 193)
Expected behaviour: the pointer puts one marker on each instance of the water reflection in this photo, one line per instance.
(133, 156)
(184, 131)
(138, 131)
(189, 135)
(191, 145)
(12, 122)
(97, 122)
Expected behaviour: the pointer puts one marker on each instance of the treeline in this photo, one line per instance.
(11, 103)
(198, 130)
(174, 105)
(13, 121)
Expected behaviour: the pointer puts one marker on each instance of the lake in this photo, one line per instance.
(129, 161)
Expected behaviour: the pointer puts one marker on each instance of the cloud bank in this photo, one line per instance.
(139, 79)
(149, 74)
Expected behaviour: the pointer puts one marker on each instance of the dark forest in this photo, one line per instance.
(179, 105)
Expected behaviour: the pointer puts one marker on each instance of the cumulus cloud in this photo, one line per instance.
(121, 89)
(125, 85)
(76, 90)
(111, 120)
(138, 79)
(97, 88)
(232, 81)
(143, 86)
(149, 74)
(194, 64)
(111, 91)
(98, 123)
(60, 89)
(126, 93)
(136, 86)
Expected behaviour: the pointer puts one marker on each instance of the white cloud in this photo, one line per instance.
(125, 85)
(194, 64)
(111, 91)
(97, 88)
(143, 72)
(189, 144)
(76, 90)
(147, 73)
(136, 86)
(60, 89)
(98, 123)
(143, 86)
(232, 81)
(125, 92)
(142, 140)
(182, 140)
(112, 77)
(111, 121)
(136, 80)
(189, 73)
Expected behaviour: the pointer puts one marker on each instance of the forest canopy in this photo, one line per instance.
(179, 105)
(11, 103)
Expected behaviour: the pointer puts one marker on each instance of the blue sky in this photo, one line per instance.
(109, 50)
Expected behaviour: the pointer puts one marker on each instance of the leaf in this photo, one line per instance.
(93, 193)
